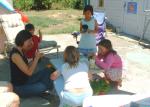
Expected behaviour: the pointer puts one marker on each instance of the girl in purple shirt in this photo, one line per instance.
(110, 61)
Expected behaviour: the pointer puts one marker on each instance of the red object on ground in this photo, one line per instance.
(24, 17)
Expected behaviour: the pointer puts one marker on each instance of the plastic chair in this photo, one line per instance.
(11, 25)
(101, 20)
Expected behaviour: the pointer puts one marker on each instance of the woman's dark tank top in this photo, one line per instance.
(18, 77)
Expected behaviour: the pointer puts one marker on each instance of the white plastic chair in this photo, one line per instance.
(12, 24)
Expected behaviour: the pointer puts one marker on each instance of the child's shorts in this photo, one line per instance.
(115, 74)
(72, 99)
(87, 51)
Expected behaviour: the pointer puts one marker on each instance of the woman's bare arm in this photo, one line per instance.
(17, 59)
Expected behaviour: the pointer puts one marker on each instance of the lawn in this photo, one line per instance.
(56, 21)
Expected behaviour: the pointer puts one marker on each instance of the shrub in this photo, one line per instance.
(42, 4)
(47, 4)
(75, 4)
(23, 4)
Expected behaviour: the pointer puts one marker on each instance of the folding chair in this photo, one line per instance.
(47, 46)
(12, 24)
(101, 20)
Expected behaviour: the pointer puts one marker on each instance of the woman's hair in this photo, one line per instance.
(29, 27)
(107, 44)
(22, 36)
(88, 8)
(71, 56)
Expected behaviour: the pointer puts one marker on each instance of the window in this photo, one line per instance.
(101, 3)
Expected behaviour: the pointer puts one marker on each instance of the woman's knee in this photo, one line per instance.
(11, 99)
(41, 87)
(38, 89)
(15, 100)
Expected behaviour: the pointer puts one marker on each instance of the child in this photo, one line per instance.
(76, 80)
(36, 40)
(88, 28)
(110, 61)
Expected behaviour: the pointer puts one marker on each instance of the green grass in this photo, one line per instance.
(56, 21)
(43, 22)
(65, 29)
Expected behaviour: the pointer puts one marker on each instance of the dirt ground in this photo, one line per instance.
(136, 61)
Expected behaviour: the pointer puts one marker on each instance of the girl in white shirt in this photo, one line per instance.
(76, 79)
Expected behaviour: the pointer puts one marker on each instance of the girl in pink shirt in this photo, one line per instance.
(110, 61)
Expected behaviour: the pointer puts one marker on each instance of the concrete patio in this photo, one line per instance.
(136, 73)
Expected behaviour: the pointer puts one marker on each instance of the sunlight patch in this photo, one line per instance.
(139, 57)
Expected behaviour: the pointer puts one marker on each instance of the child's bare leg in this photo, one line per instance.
(114, 78)
(107, 79)
(91, 58)
(120, 82)
(91, 55)
(116, 84)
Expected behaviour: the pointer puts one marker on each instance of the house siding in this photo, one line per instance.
(115, 13)
(147, 7)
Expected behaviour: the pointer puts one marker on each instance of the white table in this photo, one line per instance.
(108, 101)
(118, 100)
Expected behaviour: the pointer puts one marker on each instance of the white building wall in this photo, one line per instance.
(133, 23)
(143, 18)
(96, 7)
(114, 12)
(94, 3)
(147, 7)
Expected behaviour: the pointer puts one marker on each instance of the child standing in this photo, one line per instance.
(110, 61)
(36, 40)
(88, 28)
(76, 79)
